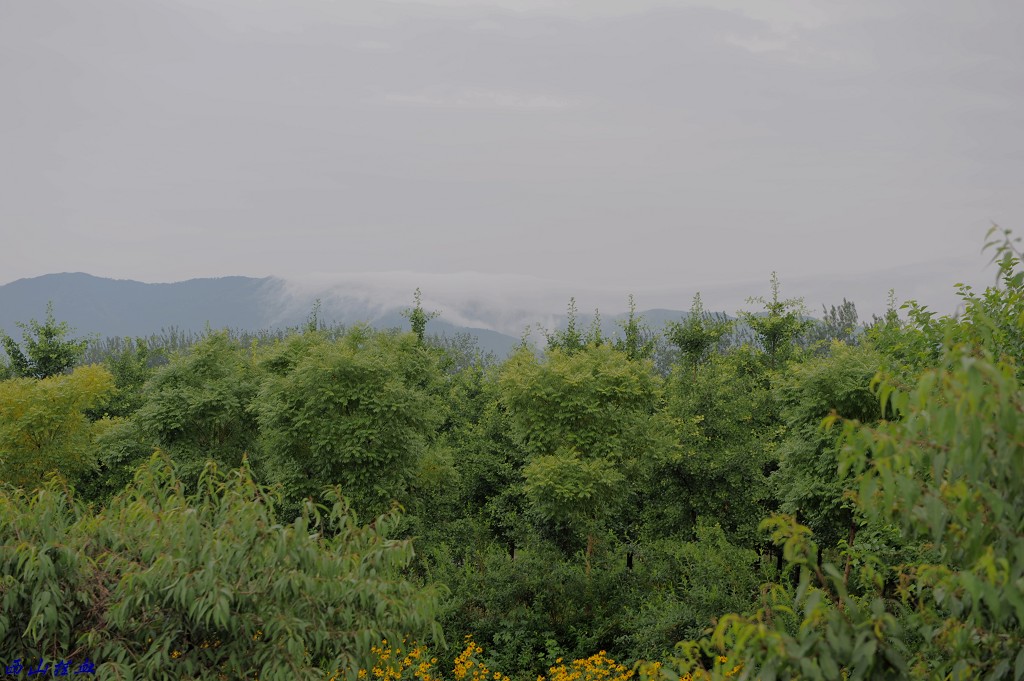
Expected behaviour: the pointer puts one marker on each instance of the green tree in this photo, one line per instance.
(571, 339)
(163, 585)
(836, 324)
(637, 340)
(47, 351)
(567, 489)
(594, 401)
(807, 483)
(44, 427)
(909, 346)
(944, 477)
(198, 407)
(682, 586)
(590, 428)
(947, 474)
(698, 335)
(779, 327)
(729, 430)
(994, 318)
(313, 322)
(418, 317)
(461, 352)
(131, 366)
(360, 412)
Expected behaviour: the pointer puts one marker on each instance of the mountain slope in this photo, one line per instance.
(118, 307)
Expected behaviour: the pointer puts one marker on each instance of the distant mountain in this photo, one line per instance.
(119, 307)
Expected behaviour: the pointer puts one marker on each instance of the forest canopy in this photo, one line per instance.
(766, 497)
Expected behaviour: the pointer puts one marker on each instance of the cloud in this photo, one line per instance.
(484, 99)
(652, 145)
(776, 13)
(758, 44)
(373, 46)
(499, 302)
(508, 303)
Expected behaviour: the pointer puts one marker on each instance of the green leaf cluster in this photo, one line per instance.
(161, 584)
(44, 426)
(359, 412)
(929, 582)
(47, 350)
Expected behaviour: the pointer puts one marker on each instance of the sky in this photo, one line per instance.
(515, 150)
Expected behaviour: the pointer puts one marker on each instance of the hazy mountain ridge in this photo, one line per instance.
(124, 307)
(109, 307)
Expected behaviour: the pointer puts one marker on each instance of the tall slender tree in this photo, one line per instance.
(47, 349)
(780, 326)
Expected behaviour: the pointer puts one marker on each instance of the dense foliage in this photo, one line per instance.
(781, 497)
(45, 351)
(161, 584)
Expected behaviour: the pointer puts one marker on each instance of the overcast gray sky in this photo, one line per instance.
(584, 145)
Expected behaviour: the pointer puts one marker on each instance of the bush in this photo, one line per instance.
(160, 585)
